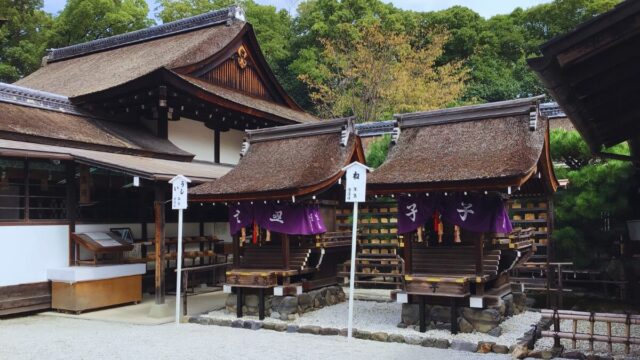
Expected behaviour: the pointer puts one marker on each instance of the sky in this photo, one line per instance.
(485, 8)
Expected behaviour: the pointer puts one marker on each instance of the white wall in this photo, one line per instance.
(26, 252)
(192, 136)
(230, 146)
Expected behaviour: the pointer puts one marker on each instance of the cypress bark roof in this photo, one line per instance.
(465, 148)
(281, 162)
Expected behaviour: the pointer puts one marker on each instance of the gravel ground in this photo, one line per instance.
(600, 328)
(378, 316)
(41, 337)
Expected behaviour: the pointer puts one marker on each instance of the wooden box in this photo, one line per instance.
(95, 294)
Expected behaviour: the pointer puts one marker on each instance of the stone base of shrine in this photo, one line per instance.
(287, 307)
(469, 319)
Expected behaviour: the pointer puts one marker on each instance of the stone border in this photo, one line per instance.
(480, 347)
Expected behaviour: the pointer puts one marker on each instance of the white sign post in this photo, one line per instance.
(179, 202)
(355, 192)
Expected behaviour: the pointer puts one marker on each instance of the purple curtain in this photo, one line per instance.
(282, 218)
(473, 212)
(414, 211)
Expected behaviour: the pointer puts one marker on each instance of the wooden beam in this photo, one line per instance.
(158, 210)
(72, 206)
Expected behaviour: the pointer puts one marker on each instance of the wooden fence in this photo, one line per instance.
(557, 315)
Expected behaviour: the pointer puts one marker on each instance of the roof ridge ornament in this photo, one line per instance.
(343, 126)
(216, 17)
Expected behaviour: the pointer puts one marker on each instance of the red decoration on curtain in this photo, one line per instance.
(436, 221)
(254, 238)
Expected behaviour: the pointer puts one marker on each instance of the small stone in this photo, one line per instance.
(519, 352)
(442, 344)
(288, 305)
(402, 325)
(361, 334)
(304, 299)
(231, 301)
(573, 355)
(464, 326)
(275, 315)
(485, 347)
(256, 325)
(224, 322)
(237, 323)
(292, 328)
(397, 338)
(344, 332)
(410, 314)
(329, 331)
(500, 349)
(428, 342)
(440, 314)
(463, 346)
(309, 329)
(269, 326)
(280, 327)
(380, 336)
(495, 332)
(413, 340)
(247, 324)
(251, 300)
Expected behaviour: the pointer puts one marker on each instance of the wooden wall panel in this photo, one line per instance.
(17, 299)
(230, 75)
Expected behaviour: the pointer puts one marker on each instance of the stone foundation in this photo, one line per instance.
(287, 307)
(469, 319)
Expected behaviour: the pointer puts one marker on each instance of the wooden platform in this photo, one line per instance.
(24, 298)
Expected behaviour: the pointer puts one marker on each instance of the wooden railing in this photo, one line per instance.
(557, 315)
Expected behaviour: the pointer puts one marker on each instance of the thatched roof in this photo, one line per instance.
(268, 107)
(148, 168)
(106, 69)
(39, 117)
(476, 147)
(281, 162)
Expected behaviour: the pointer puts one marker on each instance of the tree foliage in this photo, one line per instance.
(86, 20)
(597, 189)
(377, 72)
(23, 38)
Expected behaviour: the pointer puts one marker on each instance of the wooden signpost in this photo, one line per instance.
(179, 202)
(355, 192)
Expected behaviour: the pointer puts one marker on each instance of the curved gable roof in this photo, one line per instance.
(286, 161)
(467, 148)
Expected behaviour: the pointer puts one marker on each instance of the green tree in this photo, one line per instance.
(23, 38)
(597, 188)
(377, 151)
(86, 20)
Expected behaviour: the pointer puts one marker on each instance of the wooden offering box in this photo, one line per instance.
(80, 288)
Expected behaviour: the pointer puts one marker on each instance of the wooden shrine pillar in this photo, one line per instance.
(285, 251)
(479, 245)
(235, 240)
(72, 207)
(158, 212)
(216, 146)
(408, 247)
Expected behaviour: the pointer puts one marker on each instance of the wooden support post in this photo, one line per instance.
(556, 329)
(185, 287)
(480, 263)
(216, 146)
(408, 244)
(158, 211)
(236, 251)
(454, 316)
(261, 304)
(422, 314)
(72, 206)
(239, 302)
(285, 251)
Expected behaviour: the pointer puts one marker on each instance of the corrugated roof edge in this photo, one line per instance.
(300, 130)
(40, 99)
(469, 113)
(376, 128)
(188, 24)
